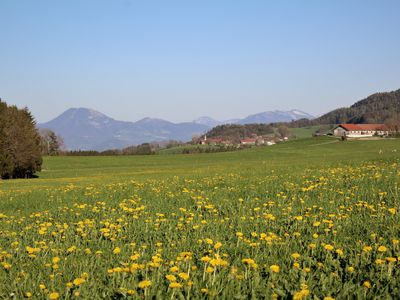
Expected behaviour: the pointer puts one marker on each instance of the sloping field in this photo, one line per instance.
(313, 218)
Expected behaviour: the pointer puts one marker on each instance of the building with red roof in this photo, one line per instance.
(360, 130)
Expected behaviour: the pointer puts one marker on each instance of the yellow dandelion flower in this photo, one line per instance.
(144, 284)
(170, 278)
(367, 284)
(339, 252)
(54, 295)
(295, 255)
(275, 268)
(350, 269)
(174, 269)
(301, 294)
(175, 285)
(218, 245)
(55, 260)
(382, 249)
(79, 281)
(367, 248)
(205, 259)
(183, 276)
(391, 259)
(210, 269)
(312, 246)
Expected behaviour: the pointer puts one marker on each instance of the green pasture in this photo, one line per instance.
(298, 154)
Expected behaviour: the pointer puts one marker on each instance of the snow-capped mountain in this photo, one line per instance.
(276, 116)
(264, 117)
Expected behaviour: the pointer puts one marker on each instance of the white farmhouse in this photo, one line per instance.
(360, 130)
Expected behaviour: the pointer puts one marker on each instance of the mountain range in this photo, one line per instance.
(87, 129)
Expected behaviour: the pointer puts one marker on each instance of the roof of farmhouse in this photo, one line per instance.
(364, 127)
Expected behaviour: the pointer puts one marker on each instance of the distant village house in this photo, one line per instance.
(206, 141)
(360, 130)
(248, 141)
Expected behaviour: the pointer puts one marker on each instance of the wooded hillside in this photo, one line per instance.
(377, 108)
(235, 132)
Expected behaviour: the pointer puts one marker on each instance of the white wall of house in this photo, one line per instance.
(339, 131)
(359, 134)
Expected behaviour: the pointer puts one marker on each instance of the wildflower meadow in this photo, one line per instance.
(311, 219)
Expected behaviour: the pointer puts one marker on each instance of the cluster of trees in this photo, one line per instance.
(236, 132)
(143, 149)
(20, 143)
(52, 144)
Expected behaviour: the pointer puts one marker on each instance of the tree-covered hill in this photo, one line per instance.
(377, 108)
(235, 132)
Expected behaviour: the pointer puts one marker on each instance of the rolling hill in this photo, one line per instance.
(376, 108)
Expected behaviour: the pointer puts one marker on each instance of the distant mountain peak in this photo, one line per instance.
(81, 112)
(208, 121)
(276, 116)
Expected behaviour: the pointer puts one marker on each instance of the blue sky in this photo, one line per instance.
(180, 60)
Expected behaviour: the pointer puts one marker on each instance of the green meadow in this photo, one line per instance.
(314, 218)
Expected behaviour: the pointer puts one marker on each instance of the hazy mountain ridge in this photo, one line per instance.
(87, 129)
(259, 118)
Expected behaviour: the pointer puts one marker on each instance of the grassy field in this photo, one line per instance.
(308, 219)
(304, 132)
(182, 148)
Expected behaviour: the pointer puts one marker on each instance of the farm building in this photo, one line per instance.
(248, 141)
(360, 130)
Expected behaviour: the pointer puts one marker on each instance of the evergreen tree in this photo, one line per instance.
(20, 147)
